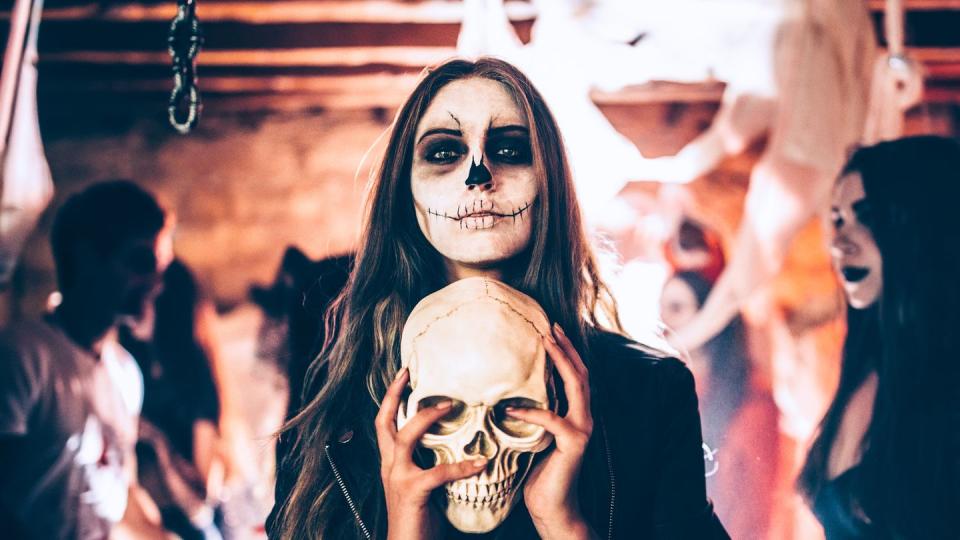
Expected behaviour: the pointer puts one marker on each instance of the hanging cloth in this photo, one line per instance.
(897, 81)
(27, 186)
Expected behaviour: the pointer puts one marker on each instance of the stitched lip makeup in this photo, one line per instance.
(481, 214)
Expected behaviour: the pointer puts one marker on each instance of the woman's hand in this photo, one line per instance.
(406, 486)
(550, 492)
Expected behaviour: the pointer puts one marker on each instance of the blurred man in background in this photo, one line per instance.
(70, 396)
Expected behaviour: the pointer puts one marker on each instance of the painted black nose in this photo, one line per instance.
(479, 174)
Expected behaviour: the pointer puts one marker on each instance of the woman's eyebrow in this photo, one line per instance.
(861, 206)
(500, 130)
(440, 131)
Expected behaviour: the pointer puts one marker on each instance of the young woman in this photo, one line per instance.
(738, 413)
(475, 182)
(884, 464)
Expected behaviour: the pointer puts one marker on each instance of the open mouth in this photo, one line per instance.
(854, 274)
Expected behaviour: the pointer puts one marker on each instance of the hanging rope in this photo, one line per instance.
(183, 44)
(897, 81)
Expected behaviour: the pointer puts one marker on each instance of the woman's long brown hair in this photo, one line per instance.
(395, 268)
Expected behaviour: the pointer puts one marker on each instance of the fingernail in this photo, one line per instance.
(556, 327)
(511, 410)
(443, 405)
(400, 373)
(479, 462)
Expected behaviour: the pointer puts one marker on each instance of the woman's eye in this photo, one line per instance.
(443, 153)
(836, 220)
(512, 152)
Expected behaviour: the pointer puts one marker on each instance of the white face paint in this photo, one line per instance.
(477, 343)
(853, 250)
(472, 176)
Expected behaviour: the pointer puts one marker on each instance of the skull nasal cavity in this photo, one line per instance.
(481, 445)
(479, 174)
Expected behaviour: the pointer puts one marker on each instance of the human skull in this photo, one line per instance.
(477, 343)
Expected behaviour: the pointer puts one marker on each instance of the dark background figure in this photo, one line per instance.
(67, 420)
(294, 307)
(884, 463)
(178, 446)
(294, 326)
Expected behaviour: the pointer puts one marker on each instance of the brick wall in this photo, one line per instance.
(243, 187)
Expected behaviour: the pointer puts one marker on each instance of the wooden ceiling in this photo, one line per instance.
(297, 54)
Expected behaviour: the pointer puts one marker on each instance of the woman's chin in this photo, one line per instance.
(482, 254)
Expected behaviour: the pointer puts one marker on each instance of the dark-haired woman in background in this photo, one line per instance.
(885, 461)
(178, 451)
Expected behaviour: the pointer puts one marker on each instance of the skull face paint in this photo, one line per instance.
(853, 250)
(472, 175)
(477, 343)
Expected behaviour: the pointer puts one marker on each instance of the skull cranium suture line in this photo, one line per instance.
(477, 343)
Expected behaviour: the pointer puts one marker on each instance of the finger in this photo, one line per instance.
(574, 385)
(563, 431)
(386, 419)
(567, 346)
(411, 433)
(448, 472)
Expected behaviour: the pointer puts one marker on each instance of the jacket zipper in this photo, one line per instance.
(346, 493)
(613, 480)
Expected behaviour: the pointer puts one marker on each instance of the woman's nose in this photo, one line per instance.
(479, 177)
(843, 246)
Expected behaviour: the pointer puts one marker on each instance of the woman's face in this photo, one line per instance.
(472, 176)
(678, 304)
(856, 257)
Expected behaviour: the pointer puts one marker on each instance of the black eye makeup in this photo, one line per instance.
(443, 151)
(509, 150)
(505, 145)
(836, 219)
(864, 211)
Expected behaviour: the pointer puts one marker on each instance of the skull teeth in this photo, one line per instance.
(479, 495)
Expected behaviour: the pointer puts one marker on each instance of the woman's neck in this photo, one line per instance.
(457, 271)
(847, 448)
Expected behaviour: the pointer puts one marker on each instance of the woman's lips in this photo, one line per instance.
(854, 274)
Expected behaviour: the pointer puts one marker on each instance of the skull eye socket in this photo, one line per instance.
(451, 421)
(512, 426)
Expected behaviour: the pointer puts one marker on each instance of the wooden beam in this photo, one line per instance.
(661, 92)
(374, 11)
(939, 55)
(317, 57)
(294, 11)
(381, 88)
(939, 60)
(918, 5)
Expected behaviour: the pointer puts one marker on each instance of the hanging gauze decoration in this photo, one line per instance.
(26, 183)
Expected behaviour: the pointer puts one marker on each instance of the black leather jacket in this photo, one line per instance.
(642, 475)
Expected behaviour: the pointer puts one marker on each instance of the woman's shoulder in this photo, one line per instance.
(618, 358)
